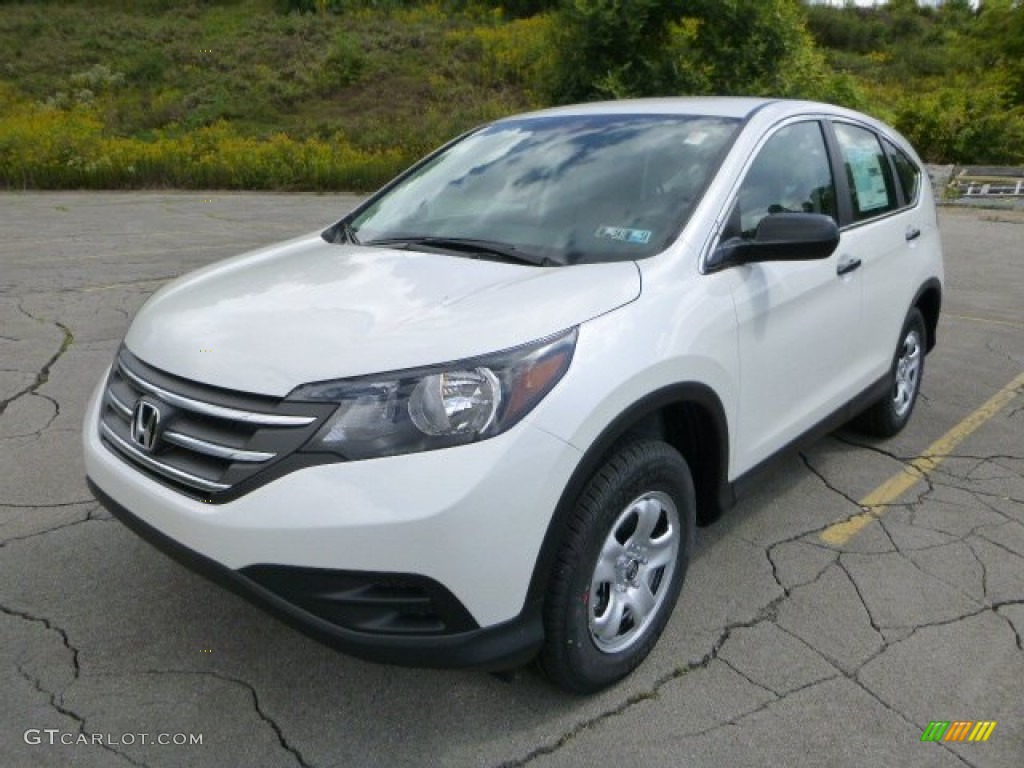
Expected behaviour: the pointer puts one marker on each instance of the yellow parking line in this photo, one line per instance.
(874, 503)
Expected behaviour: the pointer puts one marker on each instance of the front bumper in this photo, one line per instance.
(502, 646)
(456, 531)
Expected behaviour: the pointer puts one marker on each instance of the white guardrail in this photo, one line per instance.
(987, 181)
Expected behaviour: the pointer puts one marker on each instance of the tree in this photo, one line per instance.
(999, 37)
(613, 48)
(756, 46)
(622, 48)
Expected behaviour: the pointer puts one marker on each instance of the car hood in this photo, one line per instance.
(308, 310)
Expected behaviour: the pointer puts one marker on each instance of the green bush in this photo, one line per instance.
(341, 6)
(344, 64)
(960, 121)
(519, 53)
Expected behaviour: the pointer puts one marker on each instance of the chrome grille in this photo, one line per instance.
(209, 440)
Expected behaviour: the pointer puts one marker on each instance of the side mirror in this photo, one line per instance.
(781, 237)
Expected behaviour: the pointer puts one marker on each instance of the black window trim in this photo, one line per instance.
(844, 203)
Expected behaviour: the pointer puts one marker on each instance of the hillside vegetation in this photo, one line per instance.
(342, 94)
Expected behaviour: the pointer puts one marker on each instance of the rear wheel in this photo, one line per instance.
(890, 414)
(620, 568)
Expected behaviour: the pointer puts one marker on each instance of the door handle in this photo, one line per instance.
(846, 266)
(913, 233)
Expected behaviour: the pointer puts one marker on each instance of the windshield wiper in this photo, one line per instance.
(469, 245)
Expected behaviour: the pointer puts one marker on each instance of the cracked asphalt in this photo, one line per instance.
(786, 648)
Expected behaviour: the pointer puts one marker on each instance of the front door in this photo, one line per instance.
(798, 321)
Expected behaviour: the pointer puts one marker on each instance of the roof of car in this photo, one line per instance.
(717, 106)
(735, 107)
(738, 107)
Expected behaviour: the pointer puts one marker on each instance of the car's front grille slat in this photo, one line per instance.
(215, 449)
(217, 411)
(119, 405)
(207, 440)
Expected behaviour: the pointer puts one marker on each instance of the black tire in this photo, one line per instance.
(890, 414)
(631, 498)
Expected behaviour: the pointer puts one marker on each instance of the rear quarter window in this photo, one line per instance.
(908, 173)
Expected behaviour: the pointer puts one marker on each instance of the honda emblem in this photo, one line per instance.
(146, 424)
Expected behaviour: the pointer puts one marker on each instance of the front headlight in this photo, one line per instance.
(437, 407)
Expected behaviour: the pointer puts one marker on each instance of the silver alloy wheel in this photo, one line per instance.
(633, 572)
(908, 373)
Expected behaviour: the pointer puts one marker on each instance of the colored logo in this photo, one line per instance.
(958, 730)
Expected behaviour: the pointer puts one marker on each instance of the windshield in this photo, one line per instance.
(561, 189)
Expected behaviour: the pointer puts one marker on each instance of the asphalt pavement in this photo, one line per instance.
(862, 591)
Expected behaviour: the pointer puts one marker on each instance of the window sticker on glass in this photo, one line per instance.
(624, 234)
(866, 166)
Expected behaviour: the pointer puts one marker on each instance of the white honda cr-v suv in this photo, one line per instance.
(477, 420)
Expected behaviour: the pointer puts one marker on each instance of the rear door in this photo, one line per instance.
(882, 228)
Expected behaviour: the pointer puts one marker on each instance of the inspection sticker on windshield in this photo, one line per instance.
(624, 235)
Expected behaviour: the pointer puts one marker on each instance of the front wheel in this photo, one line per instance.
(620, 568)
(890, 414)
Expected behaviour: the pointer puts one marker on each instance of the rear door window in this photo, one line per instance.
(868, 174)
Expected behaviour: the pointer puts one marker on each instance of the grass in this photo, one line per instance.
(239, 94)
